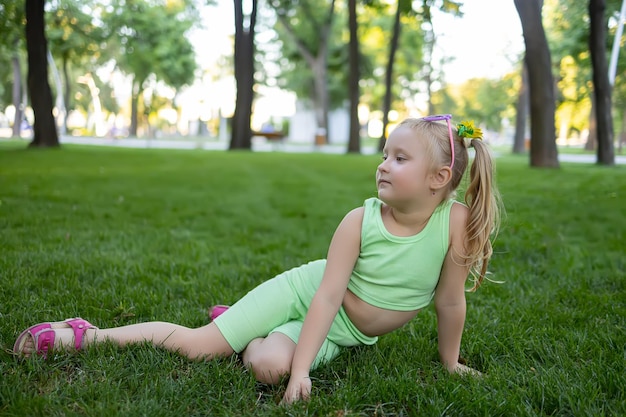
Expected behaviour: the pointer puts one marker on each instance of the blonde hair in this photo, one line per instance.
(481, 196)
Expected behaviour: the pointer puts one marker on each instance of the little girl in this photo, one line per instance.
(387, 260)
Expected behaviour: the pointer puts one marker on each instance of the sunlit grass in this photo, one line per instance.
(120, 236)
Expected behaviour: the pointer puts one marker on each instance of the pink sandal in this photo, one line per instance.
(43, 335)
(216, 311)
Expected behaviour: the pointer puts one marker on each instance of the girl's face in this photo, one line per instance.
(403, 175)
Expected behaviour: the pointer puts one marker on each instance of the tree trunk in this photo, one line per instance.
(601, 84)
(429, 47)
(354, 140)
(134, 108)
(592, 137)
(622, 136)
(321, 99)
(318, 61)
(521, 117)
(543, 152)
(45, 130)
(393, 48)
(66, 92)
(17, 94)
(244, 76)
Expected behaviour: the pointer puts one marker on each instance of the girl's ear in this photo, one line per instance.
(440, 178)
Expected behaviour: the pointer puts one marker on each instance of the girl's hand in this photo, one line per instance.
(298, 388)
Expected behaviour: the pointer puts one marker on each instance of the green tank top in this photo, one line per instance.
(400, 273)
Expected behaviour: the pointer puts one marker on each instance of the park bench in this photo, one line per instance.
(275, 136)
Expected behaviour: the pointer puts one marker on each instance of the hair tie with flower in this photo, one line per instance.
(468, 131)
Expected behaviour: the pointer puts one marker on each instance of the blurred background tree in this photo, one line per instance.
(127, 62)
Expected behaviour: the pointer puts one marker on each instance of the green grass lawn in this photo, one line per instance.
(120, 236)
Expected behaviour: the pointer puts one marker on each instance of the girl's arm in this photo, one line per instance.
(450, 294)
(342, 255)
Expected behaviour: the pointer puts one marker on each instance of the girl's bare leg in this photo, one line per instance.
(269, 358)
(204, 342)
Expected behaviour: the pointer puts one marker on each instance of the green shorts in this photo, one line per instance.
(280, 305)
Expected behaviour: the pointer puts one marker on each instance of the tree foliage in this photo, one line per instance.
(76, 40)
(147, 40)
(570, 41)
(487, 100)
(308, 29)
(150, 40)
(12, 23)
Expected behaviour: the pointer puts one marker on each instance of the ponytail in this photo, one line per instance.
(483, 200)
